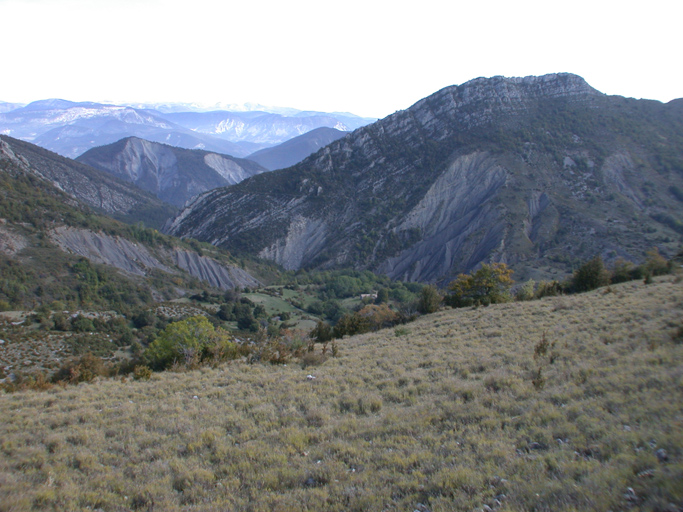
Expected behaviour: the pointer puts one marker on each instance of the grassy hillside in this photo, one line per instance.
(567, 403)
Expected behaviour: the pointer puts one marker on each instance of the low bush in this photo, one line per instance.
(83, 369)
(590, 275)
(187, 342)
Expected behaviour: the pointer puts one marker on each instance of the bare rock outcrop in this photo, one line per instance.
(137, 259)
(212, 272)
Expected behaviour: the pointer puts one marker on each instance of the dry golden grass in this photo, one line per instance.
(568, 403)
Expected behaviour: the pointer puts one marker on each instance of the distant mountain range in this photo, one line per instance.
(173, 174)
(539, 172)
(7, 107)
(295, 150)
(70, 128)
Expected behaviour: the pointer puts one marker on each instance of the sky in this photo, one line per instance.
(367, 57)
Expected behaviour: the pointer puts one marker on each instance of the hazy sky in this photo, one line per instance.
(362, 56)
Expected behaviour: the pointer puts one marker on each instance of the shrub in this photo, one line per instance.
(245, 317)
(351, 324)
(274, 350)
(85, 369)
(656, 264)
(183, 342)
(429, 301)
(488, 285)
(142, 372)
(382, 296)
(61, 322)
(401, 331)
(378, 316)
(623, 271)
(590, 275)
(322, 332)
(537, 379)
(82, 324)
(548, 289)
(312, 359)
(526, 291)
(227, 312)
(144, 318)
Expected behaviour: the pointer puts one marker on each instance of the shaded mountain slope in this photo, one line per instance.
(538, 172)
(97, 189)
(295, 150)
(172, 174)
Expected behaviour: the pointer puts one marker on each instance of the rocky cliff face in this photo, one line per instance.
(172, 174)
(139, 260)
(538, 172)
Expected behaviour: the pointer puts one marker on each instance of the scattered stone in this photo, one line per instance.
(421, 507)
(648, 473)
(195, 397)
(661, 454)
(631, 495)
(486, 508)
(310, 377)
(310, 482)
(536, 446)
(627, 428)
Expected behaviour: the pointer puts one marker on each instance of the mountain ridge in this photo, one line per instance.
(533, 160)
(292, 151)
(71, 128)
(173, 174)
(99, 190)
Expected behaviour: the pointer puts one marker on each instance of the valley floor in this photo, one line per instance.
(567, 403)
